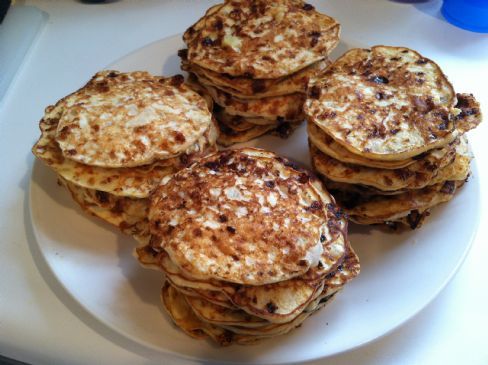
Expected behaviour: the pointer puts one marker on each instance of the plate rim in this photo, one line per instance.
(167, 352)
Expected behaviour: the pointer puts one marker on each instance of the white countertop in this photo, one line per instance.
(41, 324)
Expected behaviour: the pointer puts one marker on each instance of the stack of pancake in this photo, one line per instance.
(250, 246)
(112, 141)
(386, 133)
(255, 59)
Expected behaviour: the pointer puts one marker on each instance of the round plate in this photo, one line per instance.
(400, 272)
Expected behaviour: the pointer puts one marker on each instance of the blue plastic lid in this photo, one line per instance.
(467, 14)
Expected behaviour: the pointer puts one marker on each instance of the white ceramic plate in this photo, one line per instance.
(400, 273)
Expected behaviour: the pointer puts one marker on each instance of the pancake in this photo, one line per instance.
(219, 315)
(271, 330)
(213, 297)
(470, 113)
(193, 31)
(329, 146)
(278, 302)
(129, 119)
(415, 176)
(357, 188)
(129, 215)
(246, 88)
(135, 182)
(344, 273)
(237, 121)
(457, 170)
(192, 83)
(412, 206)
(288, 107)
(152, 256)
(348, 270)
(226, 326)
(246, 196)
(409, 208)
(183, 316)
(147, 257)
(261, 39)
(229, 136)
(385, 103)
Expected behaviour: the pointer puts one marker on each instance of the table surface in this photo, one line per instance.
(41, 324)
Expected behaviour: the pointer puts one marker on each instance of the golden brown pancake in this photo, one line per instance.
(386, 103)
(261, 39)
(129, 119)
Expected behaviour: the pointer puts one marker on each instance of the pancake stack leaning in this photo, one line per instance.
(386, 134)
(249, 244)
(112, 141)
(255, 59)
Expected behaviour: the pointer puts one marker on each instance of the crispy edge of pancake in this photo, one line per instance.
(129, 215)
(220, 316)
(246, 88)
(405, 208)
(412, 215)
(271, 301)
(215, 297)
(234, 122)
(414, 176)
(184, 318)
(457, 170)
(331, 147)
(347, 270)
(190, 322)
(229, 136)
(287, 106)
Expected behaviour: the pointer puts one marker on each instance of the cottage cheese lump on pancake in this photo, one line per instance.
(261, 38)
(198, 217)
(386, 103)
(130, 119)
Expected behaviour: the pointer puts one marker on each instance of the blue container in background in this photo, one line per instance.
(467, 14)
